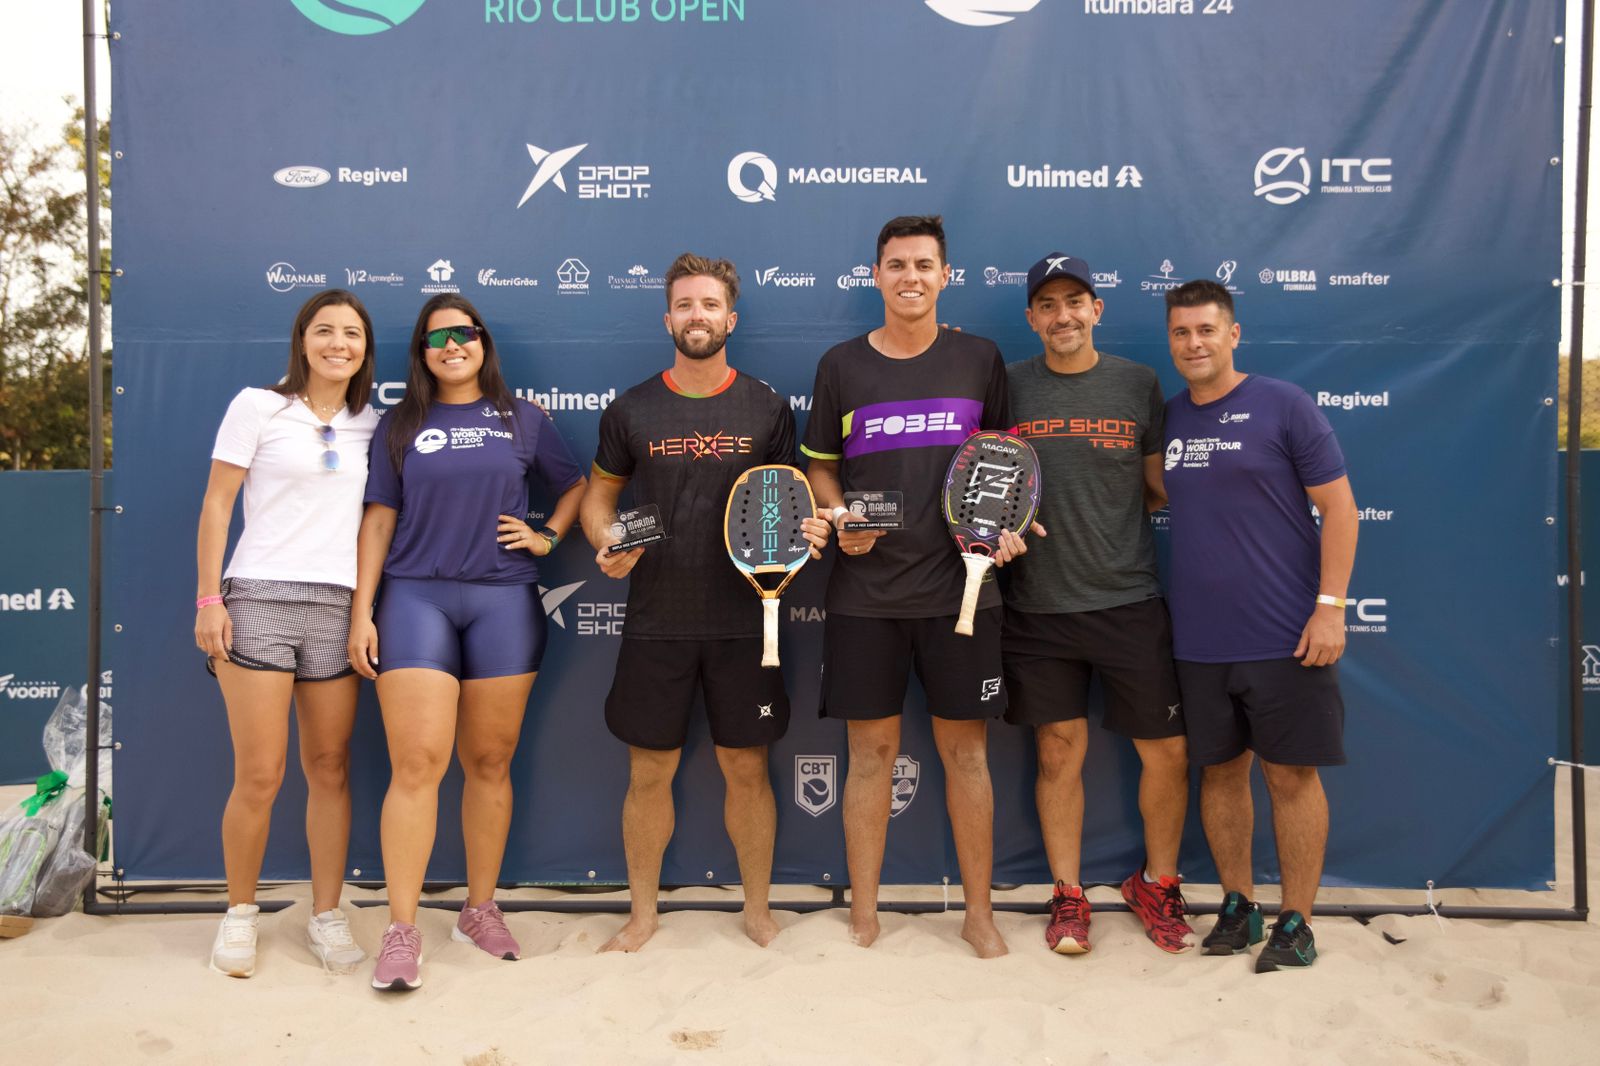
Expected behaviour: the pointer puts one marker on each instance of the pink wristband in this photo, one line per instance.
(206, 601)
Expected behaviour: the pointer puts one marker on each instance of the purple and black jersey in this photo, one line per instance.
(683, 454)
(1246, 553)
(466, 466)
(904, 444)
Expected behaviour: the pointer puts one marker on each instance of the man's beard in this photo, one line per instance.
(701, 349)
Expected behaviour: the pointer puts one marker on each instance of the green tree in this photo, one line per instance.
(1589, 432)
(44, 277)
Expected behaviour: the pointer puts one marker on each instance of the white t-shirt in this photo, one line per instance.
(300, 520)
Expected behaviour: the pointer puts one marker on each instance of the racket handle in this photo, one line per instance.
(976, 566)
(769, 632)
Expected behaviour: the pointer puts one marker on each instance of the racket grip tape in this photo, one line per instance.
(976, 566)
(769, 632)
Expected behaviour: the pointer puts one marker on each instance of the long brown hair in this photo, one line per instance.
(421, 389)
(359, 387)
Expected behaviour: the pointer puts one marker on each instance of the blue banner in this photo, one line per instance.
(44, 617)
(1377, 182)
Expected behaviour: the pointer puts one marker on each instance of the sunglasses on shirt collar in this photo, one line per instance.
(438, 338)
(330, 457)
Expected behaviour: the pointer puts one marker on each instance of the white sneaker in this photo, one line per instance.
(328, 934)
(233, 953)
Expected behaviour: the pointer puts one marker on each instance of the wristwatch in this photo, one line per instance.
(550, 535)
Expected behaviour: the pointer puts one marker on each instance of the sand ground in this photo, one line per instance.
(133, 989)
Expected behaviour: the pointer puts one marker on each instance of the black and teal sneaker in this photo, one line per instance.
(1238, 926)
(1291, 944)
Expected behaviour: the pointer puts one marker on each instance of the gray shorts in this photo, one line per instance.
(290, 626)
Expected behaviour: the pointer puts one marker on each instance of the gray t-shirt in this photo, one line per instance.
(1092, 432)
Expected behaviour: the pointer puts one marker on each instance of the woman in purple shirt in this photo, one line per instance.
(461, 627)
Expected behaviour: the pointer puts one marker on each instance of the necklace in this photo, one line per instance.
(326, 413)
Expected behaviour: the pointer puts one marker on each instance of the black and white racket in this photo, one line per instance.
(992, 485)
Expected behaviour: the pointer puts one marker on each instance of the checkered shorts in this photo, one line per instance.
(291, 626)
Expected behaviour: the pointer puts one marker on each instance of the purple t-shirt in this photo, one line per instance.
(463, 469)
(1246, 553)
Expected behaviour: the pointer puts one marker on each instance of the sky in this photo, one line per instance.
(45, 61)
(49, 65)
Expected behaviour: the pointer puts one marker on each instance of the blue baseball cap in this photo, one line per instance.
(1057, 265)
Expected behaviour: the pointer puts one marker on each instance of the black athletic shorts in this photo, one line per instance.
(1284, 712)
(656, 681)
(1049, 657)
(866, 663)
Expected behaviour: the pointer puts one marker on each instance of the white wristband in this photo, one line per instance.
(835, 513)
(1332, 601)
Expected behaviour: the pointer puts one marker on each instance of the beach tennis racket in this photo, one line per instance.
(993, 484)
(762, 530)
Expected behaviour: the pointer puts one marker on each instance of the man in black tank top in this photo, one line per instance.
(681, 439)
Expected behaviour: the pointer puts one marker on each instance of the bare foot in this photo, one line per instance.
(632, 936)
(759, 926)
(985, 939)
(863, 928)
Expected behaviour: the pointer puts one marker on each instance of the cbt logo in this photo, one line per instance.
(358, 17)
(981, 12)
(816, 783)
(1283, 175)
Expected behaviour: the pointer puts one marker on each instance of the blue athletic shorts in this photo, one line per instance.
(466, 629)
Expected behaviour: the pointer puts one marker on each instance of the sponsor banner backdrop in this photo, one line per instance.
(44, 619)
(1396, 262)
(1591, 607)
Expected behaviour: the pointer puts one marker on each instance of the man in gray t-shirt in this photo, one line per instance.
(1085, 599)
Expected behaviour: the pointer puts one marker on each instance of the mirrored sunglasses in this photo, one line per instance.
(330, 457)
(438, 338)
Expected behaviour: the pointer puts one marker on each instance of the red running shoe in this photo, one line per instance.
(1160, 906)
(1068, 931)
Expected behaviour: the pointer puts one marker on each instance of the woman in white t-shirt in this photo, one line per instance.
(274, 625)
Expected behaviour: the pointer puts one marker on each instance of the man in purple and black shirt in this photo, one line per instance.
(1257, 599)
(888, 412)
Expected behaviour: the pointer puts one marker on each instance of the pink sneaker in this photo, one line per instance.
(399, 960)
(485, 926)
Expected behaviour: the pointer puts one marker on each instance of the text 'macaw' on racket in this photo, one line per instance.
(762, 530)
(992, 485)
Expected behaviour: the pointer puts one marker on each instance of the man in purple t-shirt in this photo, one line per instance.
(1257, 599)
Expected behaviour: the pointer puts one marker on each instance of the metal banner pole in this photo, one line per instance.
(1580, 860)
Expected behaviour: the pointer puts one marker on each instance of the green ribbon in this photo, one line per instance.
(46, 789)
